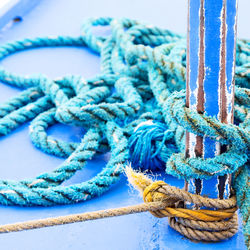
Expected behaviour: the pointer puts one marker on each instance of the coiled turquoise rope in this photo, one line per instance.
(142, 80)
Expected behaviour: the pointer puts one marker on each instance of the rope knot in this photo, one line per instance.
(207, 224)
(153, 193)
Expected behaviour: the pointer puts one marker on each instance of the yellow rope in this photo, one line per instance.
(161, 200)
(194, 224)
(151, 195)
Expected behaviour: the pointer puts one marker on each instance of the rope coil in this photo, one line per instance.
(161, 200)
(200, 224)
(142, 78)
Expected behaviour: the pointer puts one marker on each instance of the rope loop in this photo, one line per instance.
(197, 224)
(142, 81)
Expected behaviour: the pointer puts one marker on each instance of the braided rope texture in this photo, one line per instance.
(140, 91)
(195, 224)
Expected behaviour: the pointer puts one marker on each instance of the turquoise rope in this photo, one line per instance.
(135, 108)
(241, 185)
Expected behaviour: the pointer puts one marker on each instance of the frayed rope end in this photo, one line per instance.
(137, 179)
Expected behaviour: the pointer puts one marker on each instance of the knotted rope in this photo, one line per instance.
(161, 200)
(142, 80)
(200, 224)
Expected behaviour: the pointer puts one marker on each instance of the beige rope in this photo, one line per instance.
(68, 219)
(161, 200)
(213, 226)
(203, 235)
(205, 225)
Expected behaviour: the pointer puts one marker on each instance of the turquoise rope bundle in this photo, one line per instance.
(135, 108)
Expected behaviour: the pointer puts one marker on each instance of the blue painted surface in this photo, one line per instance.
(10, 9)
(212, 74)
(194, 24)
(231, 21)
(20, 159)
(213, 56)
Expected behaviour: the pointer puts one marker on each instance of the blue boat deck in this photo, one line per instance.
(20, 159)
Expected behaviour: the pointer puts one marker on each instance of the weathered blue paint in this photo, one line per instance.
(231, 14)
(194, 24)
(212, 56)
(138, 231)
(215, 88)
(10, 9)
(212, 65)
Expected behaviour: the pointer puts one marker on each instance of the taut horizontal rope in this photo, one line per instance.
(191, 223)
(134, 108)
(62, 220)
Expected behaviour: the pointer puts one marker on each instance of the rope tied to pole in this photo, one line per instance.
(145, 66)
(161, 200)
(194, 224)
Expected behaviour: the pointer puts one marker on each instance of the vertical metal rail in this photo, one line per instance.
(211, 46)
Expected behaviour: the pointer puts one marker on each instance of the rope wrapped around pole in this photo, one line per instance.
(161, 200)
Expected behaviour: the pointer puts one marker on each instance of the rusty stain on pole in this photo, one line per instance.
(211, 45)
